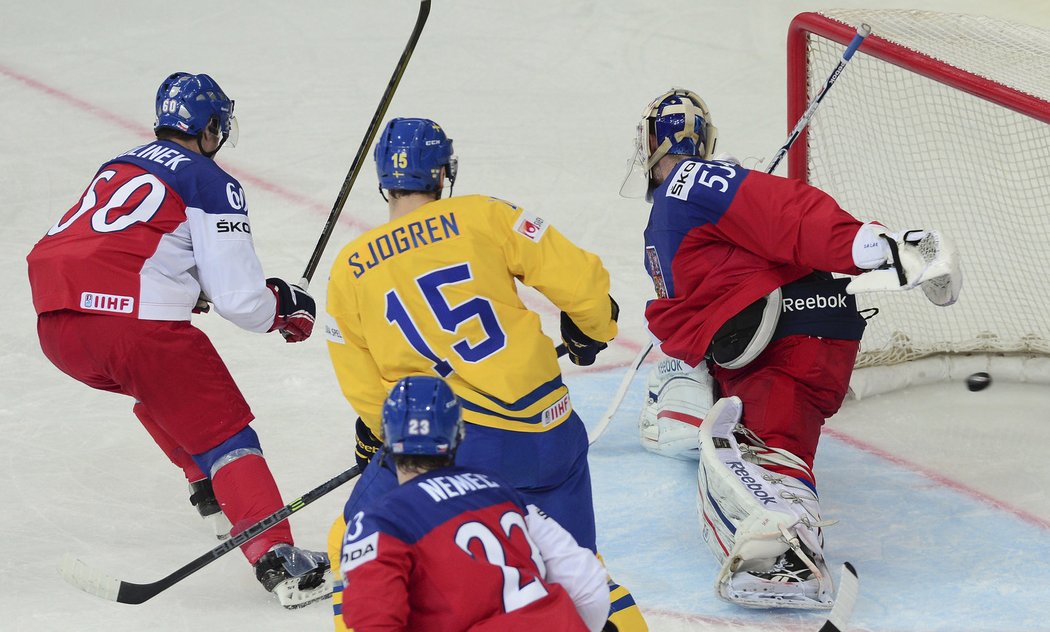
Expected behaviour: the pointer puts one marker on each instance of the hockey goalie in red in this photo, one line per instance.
(748, 311)
(114, 284)
(454, 549)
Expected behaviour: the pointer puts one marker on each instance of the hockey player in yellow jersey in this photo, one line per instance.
(433, 292)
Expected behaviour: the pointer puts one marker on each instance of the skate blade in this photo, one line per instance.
(290, 596)
(764, 599)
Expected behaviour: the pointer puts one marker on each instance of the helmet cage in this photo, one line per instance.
(680, 123)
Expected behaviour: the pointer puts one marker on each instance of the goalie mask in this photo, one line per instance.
(422, 416)
(676, 123)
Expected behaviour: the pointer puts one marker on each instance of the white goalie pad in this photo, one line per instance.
(678, 399)
(751, 518)
(921, 258)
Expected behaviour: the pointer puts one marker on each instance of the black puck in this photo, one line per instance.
(978, 381)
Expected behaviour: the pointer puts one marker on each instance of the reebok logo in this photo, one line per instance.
(813, 302)
(671, 365)
(758, 490)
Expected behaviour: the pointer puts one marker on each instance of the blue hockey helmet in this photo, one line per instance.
(410, 153)
(189, 103)
(422, 416)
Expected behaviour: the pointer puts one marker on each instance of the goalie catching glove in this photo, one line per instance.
(902, 261)
(295, 310)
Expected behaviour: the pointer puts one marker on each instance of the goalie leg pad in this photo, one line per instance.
(678, 400)
(755, 521)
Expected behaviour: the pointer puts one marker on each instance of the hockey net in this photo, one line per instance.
(940, 121)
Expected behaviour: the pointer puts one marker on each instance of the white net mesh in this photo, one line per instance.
(896, 146)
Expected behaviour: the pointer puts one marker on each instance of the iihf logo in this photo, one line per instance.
(107, 302)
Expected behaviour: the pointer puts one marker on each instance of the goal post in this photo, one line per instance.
(942, 121)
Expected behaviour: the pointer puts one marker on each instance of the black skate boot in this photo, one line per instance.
(297, 577)
(789, 583)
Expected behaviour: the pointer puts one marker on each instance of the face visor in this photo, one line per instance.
(225, 126)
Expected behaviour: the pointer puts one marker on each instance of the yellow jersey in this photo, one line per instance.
(433, 293)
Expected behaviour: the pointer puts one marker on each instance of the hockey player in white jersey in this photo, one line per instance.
(114, 283)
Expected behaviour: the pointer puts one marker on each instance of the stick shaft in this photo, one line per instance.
(366, 142)
(862, 31)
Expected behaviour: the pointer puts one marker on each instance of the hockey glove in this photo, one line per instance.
(367, 444)
(295, 310)
(914, 258)
(582, 348)
(202, 306)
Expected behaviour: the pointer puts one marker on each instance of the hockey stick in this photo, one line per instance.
(849, 585)
(628, 377)
(366, 142)
(862, 31)
(95, 582)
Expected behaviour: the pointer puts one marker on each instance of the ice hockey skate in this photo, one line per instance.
(789, 583)
(202, 496)
(297, 577)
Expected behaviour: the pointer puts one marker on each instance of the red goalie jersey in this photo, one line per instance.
(454, 550)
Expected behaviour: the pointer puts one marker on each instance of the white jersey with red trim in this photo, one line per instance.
(157, 226)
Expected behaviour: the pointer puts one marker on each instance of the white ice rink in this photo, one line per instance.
(940, 493)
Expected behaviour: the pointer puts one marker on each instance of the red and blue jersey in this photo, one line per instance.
(156, 227)
(721, 236)
(457, 549)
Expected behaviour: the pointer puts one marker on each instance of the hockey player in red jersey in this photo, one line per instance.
(114, 283)
(455, 548)
(746, 309)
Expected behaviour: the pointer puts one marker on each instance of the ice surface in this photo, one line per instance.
(940, 492)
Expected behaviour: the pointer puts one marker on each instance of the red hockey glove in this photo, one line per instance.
(295, 310)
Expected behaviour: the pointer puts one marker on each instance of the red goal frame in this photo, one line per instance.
(808, 23)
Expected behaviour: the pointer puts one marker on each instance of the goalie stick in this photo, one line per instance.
(862, 32)
(366, 142)
(97, 583)
(849, 585)
(628, 377)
